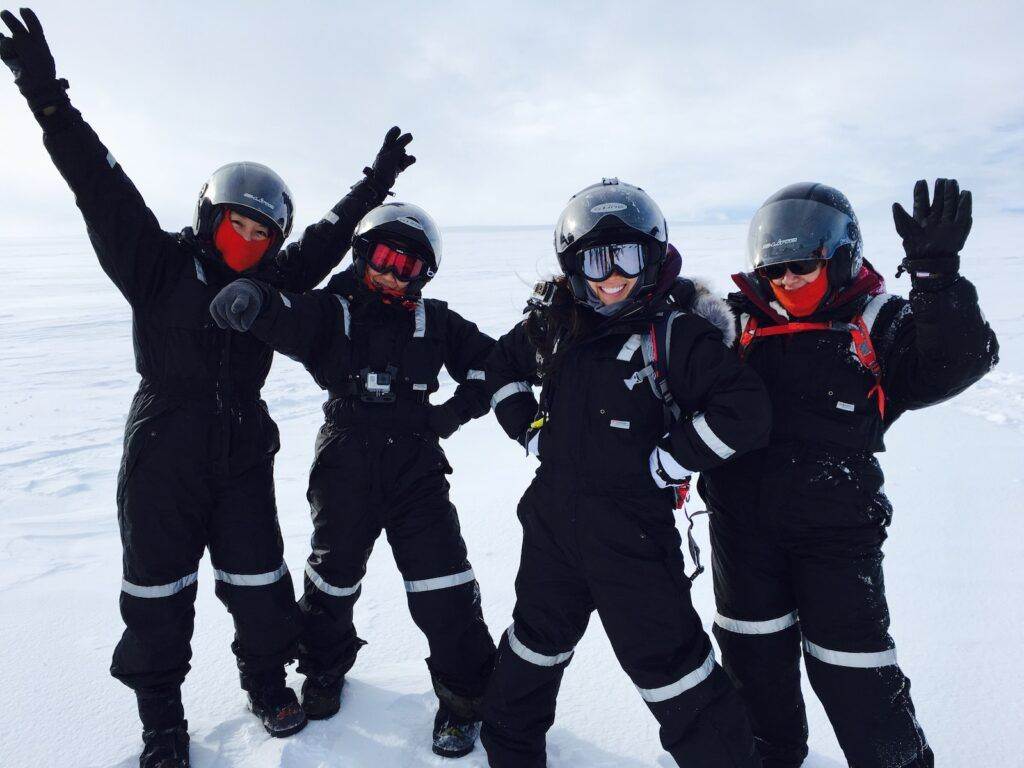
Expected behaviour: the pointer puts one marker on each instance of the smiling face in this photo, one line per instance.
(249, 229)
(385, 281)
(613, 289)
(790, 282)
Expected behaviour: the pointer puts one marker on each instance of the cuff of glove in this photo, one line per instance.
(930, 267)
(46, 98)
(665, 470)
(377, 184)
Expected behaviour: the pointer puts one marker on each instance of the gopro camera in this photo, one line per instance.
(378, 386)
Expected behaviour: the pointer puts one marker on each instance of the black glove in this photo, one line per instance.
(28, 56)
(391, 160)
(935, 234)
(443, 420)
(237, 305)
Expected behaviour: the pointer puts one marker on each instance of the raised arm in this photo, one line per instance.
(725, 408)
(511, 374)
(466, 351)
(303, 264)
(131, 247)
(941, 343)
(301, 326)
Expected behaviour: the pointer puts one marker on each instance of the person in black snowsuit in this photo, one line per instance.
(377, 347)
(598, 524)
(197, 469)
(797, 527)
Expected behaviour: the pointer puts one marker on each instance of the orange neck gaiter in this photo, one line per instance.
(237, 252)
(802, 301)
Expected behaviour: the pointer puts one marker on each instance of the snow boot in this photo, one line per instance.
(279, 709)
(165, 747)
(321, 696)
(454, 736)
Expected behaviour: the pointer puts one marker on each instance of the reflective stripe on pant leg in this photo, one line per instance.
(440, 582)
(160, 590)
(682, 685)
(767, 627)
(539, 659)
(857, 660)
(251, 579)
(329, 589)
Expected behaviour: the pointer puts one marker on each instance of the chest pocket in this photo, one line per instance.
(422, 353)
(623, 402)
(187, 304)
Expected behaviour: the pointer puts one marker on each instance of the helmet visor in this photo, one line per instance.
(598, 263)
(797, 230)
(614, 206)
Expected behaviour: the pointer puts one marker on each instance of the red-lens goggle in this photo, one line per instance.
(387, 258)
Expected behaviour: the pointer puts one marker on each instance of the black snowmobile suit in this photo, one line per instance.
(598, 533)
(379, 466)
(797, 527)
(199, 448)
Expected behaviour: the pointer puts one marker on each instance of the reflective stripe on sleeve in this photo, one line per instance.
(285, 300)
(161, 590)
(630, 347)
(346, 312)
(474, 375)
(421, 320)
(868, 660)
(508, 390)
(711, 440)
(539, 659)
(251, 579)
(110, 160)
(767, 627)
(873, 307)
(331, 217)
(440, 582)
(682, 685)
(329, 589)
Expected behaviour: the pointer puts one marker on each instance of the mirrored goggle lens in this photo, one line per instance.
(775, 271)
(404, 266)
(599, 262)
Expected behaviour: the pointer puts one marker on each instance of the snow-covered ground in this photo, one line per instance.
(954, 566)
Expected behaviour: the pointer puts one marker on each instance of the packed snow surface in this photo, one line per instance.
(954, 557)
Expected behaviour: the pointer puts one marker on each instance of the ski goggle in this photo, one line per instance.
(404, 266)
(775, 271)
(598, 263)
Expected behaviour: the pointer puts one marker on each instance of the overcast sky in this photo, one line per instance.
(711, 107)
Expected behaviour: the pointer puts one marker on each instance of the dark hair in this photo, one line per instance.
(564, 322)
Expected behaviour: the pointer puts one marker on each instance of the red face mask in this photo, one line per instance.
(238, 253)
(804, 300)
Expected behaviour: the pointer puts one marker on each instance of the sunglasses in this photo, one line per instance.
(404, 266)
(775, 271)
(598, 263)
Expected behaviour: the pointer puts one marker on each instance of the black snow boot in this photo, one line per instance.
(321, 696)
(454, 736)
(279, 709)
(165, 747)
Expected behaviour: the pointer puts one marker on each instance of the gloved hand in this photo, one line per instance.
(935, 234)
(391, 160)
(28, 56)
(443, 421)
(237, 305)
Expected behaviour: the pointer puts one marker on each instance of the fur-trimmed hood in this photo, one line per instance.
(715, 310)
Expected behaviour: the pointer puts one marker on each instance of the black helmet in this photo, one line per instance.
(405, 225)
(254, 191)
(808, 221)
(610, 213)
